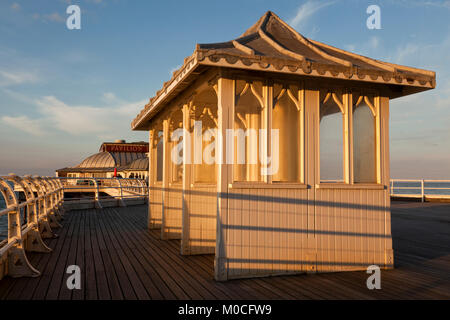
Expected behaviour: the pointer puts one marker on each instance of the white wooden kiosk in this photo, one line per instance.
(327, 207)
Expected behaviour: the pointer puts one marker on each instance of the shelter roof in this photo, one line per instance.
(271, 45)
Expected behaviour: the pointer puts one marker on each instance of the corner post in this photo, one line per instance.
(151, 176)
(347, 99)
(382, 104)
(165, 186)
(187, 169)
(225, 106)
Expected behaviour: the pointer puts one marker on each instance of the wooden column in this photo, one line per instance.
(166, 174)
(151, 174)
(312, 176)
(187, 171)
(383, 133)
(348, 137)
(225, 106)
(267, 116)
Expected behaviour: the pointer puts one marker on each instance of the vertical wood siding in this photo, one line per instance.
(202, 219)
(268, 230)
(155, 206)
(172, 213)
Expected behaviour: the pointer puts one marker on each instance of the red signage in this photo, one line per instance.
(138, 148)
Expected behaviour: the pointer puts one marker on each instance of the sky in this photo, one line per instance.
(63, 92)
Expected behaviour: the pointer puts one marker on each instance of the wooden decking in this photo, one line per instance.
(121, 259)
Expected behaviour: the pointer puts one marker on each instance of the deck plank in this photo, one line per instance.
(121, 259)
(109, 271)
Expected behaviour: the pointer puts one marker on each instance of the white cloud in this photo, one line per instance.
(367, 48)
(15, 6)
(49, 17)
(54, 17)
(306, 10)
(103, 121)
(403, 53)
(8, 78)
(109, 97)
(23, 123)
(421, 3)
(81, 120)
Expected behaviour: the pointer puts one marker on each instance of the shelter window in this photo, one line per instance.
(286, 118)
(247, 122)
(159, 157)
(331, 137)
(205, 132)
(364, 140)
(176, 165)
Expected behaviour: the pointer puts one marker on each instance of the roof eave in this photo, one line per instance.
(179, 76)
(316, 70)
(213, 58)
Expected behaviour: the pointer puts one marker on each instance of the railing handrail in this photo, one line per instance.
(418, 180)
(423, 187)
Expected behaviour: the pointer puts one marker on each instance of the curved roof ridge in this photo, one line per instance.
(259, 29)
(279, 47)
(374, 62)
(306, 42)
(243, 47)
(254, 28)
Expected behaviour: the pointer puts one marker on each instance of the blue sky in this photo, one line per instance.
(63, 92)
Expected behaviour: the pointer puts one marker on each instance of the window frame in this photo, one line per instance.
(375, 108)
(348, 146)
(268, 103)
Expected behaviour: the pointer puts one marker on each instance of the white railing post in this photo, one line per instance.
(31, 236)
(50, 203)
(43, 222)
(17, 264)
(56, 197)
(423, 189)
(121, 202)
(97, 203)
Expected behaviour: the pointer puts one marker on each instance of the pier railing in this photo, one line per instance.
(101, 192)
(422, 189)
(29, 221)
(36, 215)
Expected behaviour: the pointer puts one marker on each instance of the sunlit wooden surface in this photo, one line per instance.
(121, 259)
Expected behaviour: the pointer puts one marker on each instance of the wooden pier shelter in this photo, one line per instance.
(326, 206)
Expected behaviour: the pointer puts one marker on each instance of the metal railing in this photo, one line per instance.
(29, 221)
(35, 217)
(104, 189)
(420, 189)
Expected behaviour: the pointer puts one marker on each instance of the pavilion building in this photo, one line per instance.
(126, 160)
(326, 206)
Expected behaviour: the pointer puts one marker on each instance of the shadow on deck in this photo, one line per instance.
(121, 259)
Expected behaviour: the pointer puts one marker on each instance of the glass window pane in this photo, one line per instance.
(331, 142)
(176, 123)
(159, 157)
(364, 141)
(247, 122)
(206, 171)
(286, 119)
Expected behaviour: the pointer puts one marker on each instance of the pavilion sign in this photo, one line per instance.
(117, 147)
